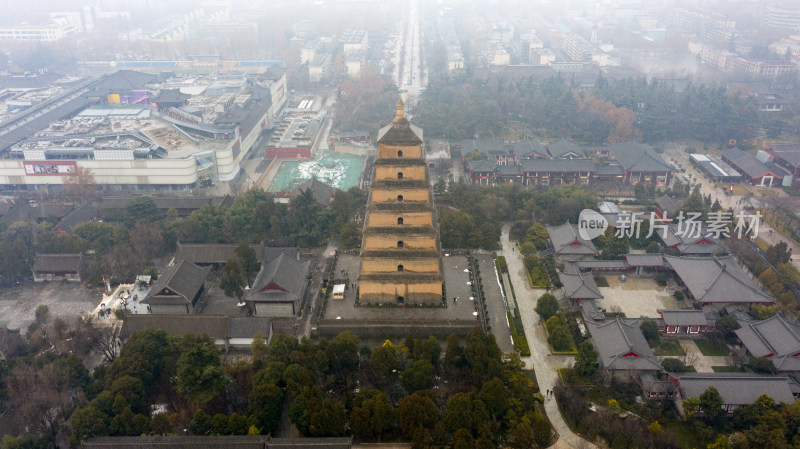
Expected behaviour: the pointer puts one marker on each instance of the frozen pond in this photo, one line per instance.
(341, 171)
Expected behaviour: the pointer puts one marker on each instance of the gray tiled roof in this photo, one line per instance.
(644, 260)
(125, 80)
(57, 263)
(509, 170)
(622, 346)
(607, 264)
(481, 166)
(790, 152)
(579, 286)
(283, 271)
(24, 211)
(484, 146)
(634, 156)
(736, 388)
(272, 252)
(248, 327)
(562, 237)
(688, 317)
(183, 278)
(775, 338)
(215, 326)
(668, 204)
(563, 148)
(610, 170)
(558, 165)
(747, 163)
(87, 212)
(400, 132)
(323, 193)
(717, 280)
(591, 311)
(688, 242)
(525, 148)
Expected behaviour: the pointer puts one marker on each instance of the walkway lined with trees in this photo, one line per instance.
(545, 364)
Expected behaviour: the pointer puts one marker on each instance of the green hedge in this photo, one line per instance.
(524, 349)
(601, 281)
(502, 267)
(519, 338)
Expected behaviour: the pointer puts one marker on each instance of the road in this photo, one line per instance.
(735, 202)
(408, 74)
(314, 305)
(541, 360)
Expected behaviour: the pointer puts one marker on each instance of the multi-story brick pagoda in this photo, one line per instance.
(400, 253)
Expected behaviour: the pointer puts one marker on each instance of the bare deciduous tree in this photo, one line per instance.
(42, 398)
(105, 340)
(81, 184)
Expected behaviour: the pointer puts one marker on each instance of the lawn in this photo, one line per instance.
(712, 347)
(727, 369)
(738, 189)
(668, 347)
(761, 244)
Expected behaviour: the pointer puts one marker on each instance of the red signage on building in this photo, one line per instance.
(50, 168)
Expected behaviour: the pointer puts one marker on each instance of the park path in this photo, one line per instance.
(544, 364)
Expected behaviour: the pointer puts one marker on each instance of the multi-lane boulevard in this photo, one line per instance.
(409, 74)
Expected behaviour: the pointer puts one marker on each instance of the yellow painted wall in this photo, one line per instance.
(380, 195)
(375, 265)
(373, 287)
(389, 172)
(373, 242)
(390, 151)
(381, 218)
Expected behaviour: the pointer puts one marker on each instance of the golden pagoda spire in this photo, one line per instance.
(400, 110)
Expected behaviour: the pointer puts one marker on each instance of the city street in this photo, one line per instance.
(737, 203)
(408, 74)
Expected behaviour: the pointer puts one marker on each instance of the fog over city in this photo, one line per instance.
(655, 38)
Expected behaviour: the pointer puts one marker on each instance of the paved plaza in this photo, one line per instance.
(497, 316)
(64, 299)
(456, 286)
(638, 297)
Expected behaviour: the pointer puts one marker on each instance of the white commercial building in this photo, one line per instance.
(48, 32)
(164, 134)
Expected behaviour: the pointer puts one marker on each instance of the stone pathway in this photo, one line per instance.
(544, 363)
(702, 363)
